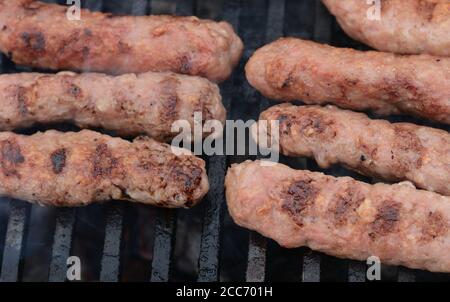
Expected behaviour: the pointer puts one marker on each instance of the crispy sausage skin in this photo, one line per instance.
(341, 216)
(130, 104)
(406, 27)
(40, 35)
(378, 148)
(293, 69)
(78, 168)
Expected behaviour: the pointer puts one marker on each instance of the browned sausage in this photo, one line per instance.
(406, 27)
(40, 35)
(342, 217)
(398, 151)
(294, 69)
(130, 104)
(72, 169)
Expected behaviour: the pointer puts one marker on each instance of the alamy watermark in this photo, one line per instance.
(374, 11)
(263, 142)
(74, 11)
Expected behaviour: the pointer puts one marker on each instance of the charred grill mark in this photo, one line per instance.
(316, 124)
(393, 88)
(285, 123)
(185, 64)
(11, 157)
(279, 75)
(123, 47)
(408, 149)
(88, 32)
(369, 154)
(204, 103)
(434, 226)
(103, 162)
(31, 8)
(298, 198)
(34, 41)
(289, 80)
(189, 177)
(386, 220)
(169, 95)
(426, 9)
(85, 52)
(58, 159)
(22, 100)
(75, 91)
(345, 205)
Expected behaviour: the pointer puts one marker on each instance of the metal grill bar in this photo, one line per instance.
(140, 7)
(94, 5)
(356, 271)
(165, 220)
(311, 267)
(257, 250)
(65, 220)
(185, 7)
(208, 263)
(110, 265)
(256, 266)
(111, 249)
(162, 251)
(406, 275)
(13, 243)
(321, 31)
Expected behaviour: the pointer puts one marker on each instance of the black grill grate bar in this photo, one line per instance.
(165, 218)
(110, 263)
(65, 220)
(311, 267)
(140, 7)
(356, 271)
(257, 250)
(311, 263)
(14, 241)
(110, 267)
(162, 251)
(93, 5)
(159, 7)
(185, 7)
(65, 217)
(208, 263)
(406, 275)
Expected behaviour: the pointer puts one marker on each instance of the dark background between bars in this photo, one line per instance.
(121, 241)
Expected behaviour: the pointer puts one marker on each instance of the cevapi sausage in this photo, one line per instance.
(406, 27)
(377, 148)
(293, 69)
(341, 216)
(78, 168)
(130, 104)
(40, 35)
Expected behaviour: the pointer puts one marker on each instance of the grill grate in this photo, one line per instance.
(222, 251)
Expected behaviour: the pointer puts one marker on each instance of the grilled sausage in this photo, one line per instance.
(292, 69)
(407, 27)
(394, 152)
(40, 35)
(342, 217)
(130, 104)
(73, 169)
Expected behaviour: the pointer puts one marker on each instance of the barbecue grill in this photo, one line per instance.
(119, 241)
